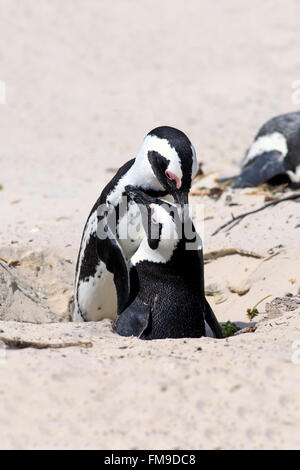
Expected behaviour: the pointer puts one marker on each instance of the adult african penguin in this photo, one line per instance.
(166, 278)
(164, 167)
(274, 154)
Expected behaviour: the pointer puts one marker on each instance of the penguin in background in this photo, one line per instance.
(164, 167)
(166, 297)
(274, 155)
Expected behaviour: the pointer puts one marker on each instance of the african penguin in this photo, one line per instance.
(166, 278)
(274, 154)
(164, 167)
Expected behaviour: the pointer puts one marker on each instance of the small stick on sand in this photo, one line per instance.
(246, 284)
(236, 219)
(15, 343)
(211, 255)
(21, 286)
(260, 301)
(199, 192)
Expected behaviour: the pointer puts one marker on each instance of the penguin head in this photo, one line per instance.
(161, 220)
(171, 158)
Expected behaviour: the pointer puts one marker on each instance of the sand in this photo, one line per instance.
(84, 84)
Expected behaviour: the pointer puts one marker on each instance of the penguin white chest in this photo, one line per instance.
(130, 230)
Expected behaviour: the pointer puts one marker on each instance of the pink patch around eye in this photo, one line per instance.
(173, 177)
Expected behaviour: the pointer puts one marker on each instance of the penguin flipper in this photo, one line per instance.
(261, 169)
(134, 320)
(110, 252)
(212, 321)
(228, 179)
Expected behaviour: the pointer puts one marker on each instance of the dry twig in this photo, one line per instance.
(236, 219)
(211, 255)
(16, 343)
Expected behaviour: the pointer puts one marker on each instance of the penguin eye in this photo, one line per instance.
(169, 175)
(173, 177)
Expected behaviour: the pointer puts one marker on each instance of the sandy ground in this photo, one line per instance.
(85, 82)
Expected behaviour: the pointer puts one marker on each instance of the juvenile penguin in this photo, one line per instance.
(166, 279)
(164, 167)
(274, 153)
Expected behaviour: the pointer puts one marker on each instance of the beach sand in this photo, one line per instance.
(85, 81)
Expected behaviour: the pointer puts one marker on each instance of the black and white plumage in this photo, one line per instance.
(166, 296)
(274, 153)
(164, 166)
